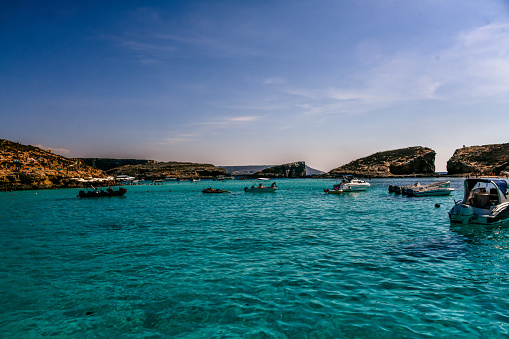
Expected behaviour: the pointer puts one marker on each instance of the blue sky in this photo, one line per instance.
(254, 82)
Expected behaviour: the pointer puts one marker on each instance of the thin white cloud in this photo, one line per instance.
(273, 81)
(244, 119)
(56, 150)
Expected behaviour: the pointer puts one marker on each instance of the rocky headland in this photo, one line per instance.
(105, 164)
(30, 167)
(162, 170)
(418, 161)
(480, 160)
(290, 170)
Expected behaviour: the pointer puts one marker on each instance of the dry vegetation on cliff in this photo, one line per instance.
(405, 161)
(27, 167)
(485, 160)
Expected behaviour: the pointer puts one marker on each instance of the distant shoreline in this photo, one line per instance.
(31, 187)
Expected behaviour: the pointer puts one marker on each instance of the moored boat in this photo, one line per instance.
(433, 189)
(261, 189)
(352, 184)
(214, 190)
(93, 192)
(486, 201)
(336, 189)
(124, 178)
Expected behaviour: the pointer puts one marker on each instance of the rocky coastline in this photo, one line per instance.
(28, 167)
(163, 170)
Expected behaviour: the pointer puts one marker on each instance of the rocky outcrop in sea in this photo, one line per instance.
(416, 160)
(483, 160)
(290, 170)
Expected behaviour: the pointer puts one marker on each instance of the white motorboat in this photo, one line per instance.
(261, 189)
(486, 201)
(436, 188)
(352, 184)
(124, 178)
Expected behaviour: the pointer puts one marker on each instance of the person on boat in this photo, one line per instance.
(273, 185)
(260, 186)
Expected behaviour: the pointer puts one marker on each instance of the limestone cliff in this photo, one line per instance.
(161, 170)
(485, 160)
(30, 167)
(290, 170)
(405, 161)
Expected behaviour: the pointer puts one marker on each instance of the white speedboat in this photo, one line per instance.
(486, 201)
(436, 188)
(352, 184)
(261, 189)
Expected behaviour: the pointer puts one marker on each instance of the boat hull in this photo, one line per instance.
(215, 191)
(99, 194)
(438, 192)
(261, 190)
(334, 191)
(467, 214)
(355, 188)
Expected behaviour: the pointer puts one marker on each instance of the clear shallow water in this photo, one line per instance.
(170, 261)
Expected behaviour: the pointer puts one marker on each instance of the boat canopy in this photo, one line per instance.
(501, 184)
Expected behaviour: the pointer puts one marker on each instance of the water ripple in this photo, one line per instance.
(169, 261)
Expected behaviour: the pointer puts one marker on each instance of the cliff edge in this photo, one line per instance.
(415, 160)
(484, 160)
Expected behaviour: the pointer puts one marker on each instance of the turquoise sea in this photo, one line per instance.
(167, 261)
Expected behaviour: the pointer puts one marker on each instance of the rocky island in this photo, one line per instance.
(290, 170)
(417, 160)
(480, 160)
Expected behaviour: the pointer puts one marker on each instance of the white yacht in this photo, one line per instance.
(486, 201)
(352, 184)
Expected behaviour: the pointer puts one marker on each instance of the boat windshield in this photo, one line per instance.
(482, 194)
